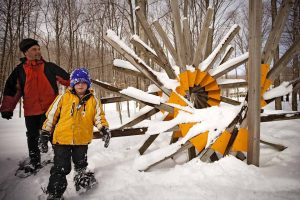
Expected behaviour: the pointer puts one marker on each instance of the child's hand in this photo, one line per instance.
(106, 136)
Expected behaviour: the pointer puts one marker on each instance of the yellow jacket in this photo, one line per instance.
(73, 120)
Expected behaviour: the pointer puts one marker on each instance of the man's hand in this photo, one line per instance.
(7, 115)
(45, 137)
(106, 135)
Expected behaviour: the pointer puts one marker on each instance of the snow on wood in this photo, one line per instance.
(229, 64)
(166, 81)
(124, 64)
(141, 95)
(137, 38)
(203, 65)
(228, 81)
(283, 89)
(214, 119)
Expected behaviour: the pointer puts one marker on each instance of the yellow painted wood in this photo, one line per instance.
(184, 82)
(214, 95)
(266, 86)
(192, 77)
(221, 143)
(262, 103)
(180, 91)
(200, 141)
(207, 80)
(177, 134)
(184, 128)
(175, 99)
(212, 86)
(199, 77)
(213, 102)
(241, 141)
(263, 73)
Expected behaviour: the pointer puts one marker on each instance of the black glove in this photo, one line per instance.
(106, 136)
(45, 137)
(7, 115)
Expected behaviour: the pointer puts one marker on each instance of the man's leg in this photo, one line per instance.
(33, 126)
(62, 167)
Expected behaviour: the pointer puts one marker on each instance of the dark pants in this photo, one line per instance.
(33, 125)
(62, 166)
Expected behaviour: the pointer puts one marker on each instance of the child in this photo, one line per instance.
(71, 118)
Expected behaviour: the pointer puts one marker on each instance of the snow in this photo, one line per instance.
(228, 81)
(141, 95)
(124, 64)
(229, 64)
(283, 89)
(137, 38)
(277, 178)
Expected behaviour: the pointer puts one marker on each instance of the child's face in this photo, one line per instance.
(80, 88)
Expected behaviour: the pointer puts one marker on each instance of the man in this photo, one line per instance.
(35, 80)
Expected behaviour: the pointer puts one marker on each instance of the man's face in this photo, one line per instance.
(33, 53)
(80, 88)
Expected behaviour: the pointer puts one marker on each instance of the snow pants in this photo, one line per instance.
(33, 126)
(62, 166)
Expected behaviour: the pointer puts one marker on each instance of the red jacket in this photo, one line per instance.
(36, 81)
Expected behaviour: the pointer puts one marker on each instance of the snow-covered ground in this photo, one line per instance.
(278, 176)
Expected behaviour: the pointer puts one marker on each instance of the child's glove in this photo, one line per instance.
(106, 136)
(45, 137)
(6, 115)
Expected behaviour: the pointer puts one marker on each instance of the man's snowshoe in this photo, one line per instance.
(27, 169)
(84, 181)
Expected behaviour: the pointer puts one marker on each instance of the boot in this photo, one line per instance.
(84, 180)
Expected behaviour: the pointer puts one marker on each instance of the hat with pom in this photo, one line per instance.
(25, 44)
(80, 75)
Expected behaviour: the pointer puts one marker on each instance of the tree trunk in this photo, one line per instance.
(296, 34)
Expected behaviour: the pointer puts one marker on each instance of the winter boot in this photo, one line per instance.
(52, 197)
(84, 180)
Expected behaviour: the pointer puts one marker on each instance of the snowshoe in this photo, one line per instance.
(84, 181)
(27, 169)
(46, 196)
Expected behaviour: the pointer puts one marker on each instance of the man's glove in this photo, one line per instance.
(45, 137)
(7, 115)
(106, 136)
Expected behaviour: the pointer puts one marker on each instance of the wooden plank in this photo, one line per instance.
(128, 71)
(284, 60)
(156, 46)
(122, 132)
(146, 52)
(147, 143)
(253, 117)
(279, 147)
(215, 76)
(203, 37)
(166, 41)
(111, 88)
(141, 66)
(106, 100)
(233, 85)
(139, 118)
(230, 101)
(223, 47)
(276, 31)
(280, 117)
(187, 41)
(178, 33)
(226, 55)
